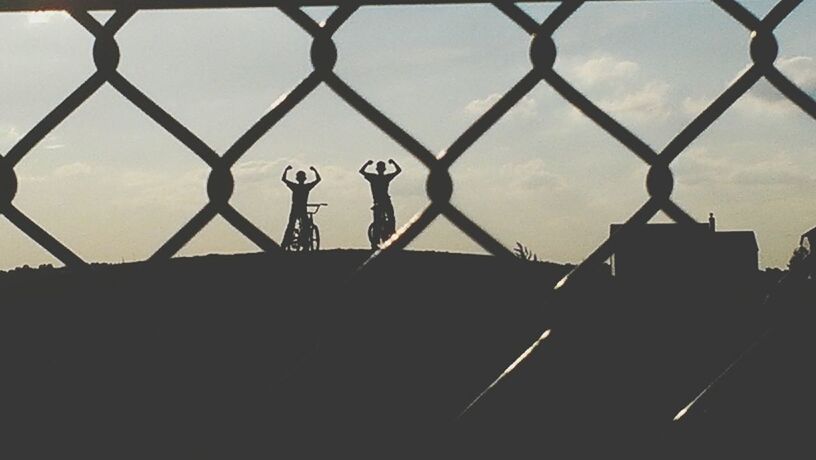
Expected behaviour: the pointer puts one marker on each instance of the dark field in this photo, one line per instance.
(259, 356)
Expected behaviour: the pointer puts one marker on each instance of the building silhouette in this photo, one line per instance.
(669, 253)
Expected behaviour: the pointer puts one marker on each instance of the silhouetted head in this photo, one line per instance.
(300, 176)
(380, 167)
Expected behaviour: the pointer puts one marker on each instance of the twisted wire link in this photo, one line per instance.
(220, 184)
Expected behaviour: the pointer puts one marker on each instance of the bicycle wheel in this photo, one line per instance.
(297, 240)
(388, 230)
(372, 235)
(315, 246)
(292, 244)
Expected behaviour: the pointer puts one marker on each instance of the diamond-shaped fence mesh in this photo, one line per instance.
(440, 184)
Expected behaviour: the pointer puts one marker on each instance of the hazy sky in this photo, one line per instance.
(111, 184)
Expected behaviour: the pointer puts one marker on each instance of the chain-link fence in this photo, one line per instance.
(440, 184)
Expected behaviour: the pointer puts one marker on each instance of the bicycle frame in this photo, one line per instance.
(311, 240)
(382, 226)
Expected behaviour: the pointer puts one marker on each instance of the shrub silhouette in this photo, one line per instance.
(524, 253)
(798, 258)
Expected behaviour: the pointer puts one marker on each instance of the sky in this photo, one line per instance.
(112, 185)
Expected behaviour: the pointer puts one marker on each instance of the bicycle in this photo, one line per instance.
(306, 234)
(381, 229)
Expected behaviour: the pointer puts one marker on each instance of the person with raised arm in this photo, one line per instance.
(384, 223)
(300, 197)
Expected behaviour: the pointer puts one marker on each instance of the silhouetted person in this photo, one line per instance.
(300, 196)
(383, 208)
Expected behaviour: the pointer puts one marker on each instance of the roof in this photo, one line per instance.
(662, 229)
(736, 240)
(740, 239)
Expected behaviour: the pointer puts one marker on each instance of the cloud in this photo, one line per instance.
(480, 106)
(774, 172)
(519, 180)
(603, 69)
(649, 102)
(73, 170)
(701, 167)
(617, 86)
(124, 187)
(258, 170)
(526, 108)
(764, 99)
(801, 70)
(63, 172)
(155, 189)
(694, 105)
(10, 134)
(530, 176)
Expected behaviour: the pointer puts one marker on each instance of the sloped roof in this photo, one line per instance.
(737, 240)
(662, 229)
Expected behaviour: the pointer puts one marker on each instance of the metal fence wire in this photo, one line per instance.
(543, 51)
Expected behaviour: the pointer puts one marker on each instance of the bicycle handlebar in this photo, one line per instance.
(316, 206)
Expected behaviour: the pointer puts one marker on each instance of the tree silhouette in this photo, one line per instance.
(798, 258)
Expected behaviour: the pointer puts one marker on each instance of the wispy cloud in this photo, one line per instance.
(525, 108)
(73, 169)
(258, 170)
(704, 168)
(764, 99)
(618, 87)
(603, 69)
(515, 179)
(802, 70)
(647, 103)
(63, 172)
(530, 176)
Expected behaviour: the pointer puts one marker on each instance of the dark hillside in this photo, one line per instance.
(280, 357)
(227, 355)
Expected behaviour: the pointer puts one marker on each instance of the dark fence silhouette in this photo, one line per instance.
(543, 51)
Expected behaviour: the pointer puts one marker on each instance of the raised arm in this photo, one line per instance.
(317, 175)
(284, 177)
(396, 167)
(366, 165)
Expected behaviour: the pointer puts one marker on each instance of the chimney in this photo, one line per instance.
(712, 222)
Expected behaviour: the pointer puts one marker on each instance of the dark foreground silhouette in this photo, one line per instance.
(298, 235)
(282, 357)
(383, 224)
